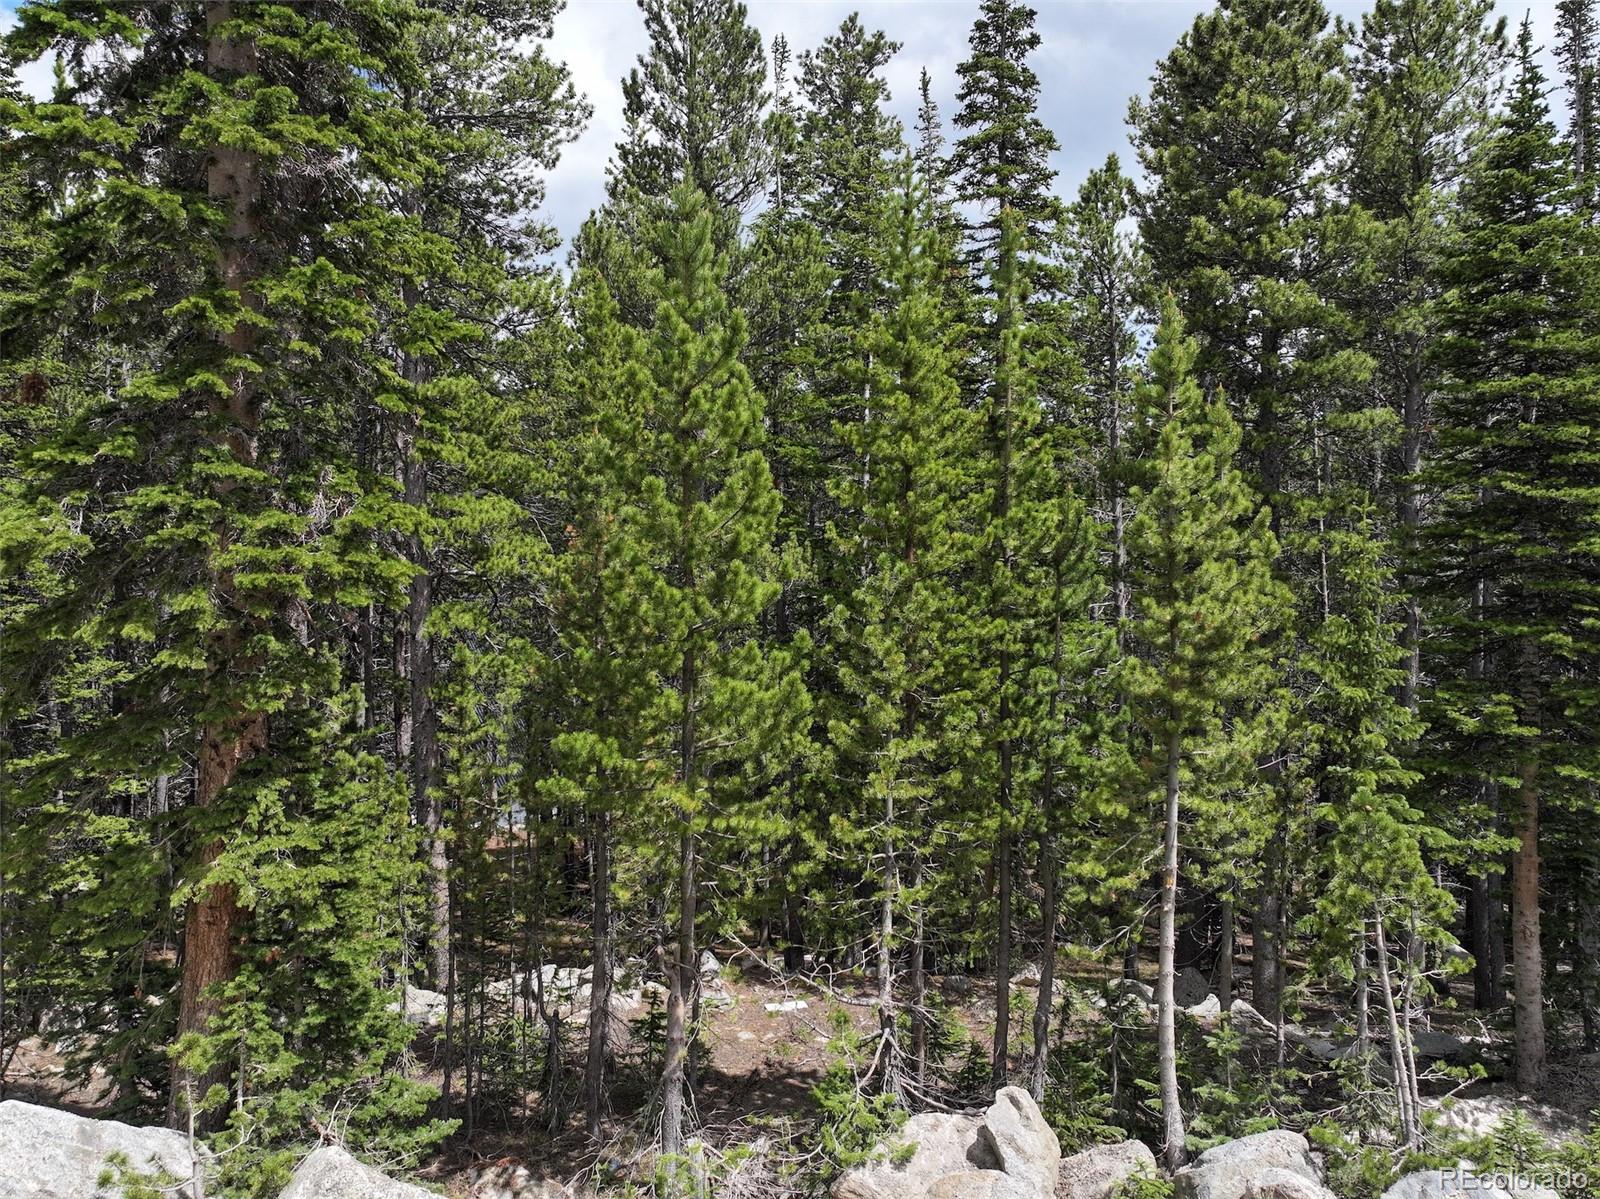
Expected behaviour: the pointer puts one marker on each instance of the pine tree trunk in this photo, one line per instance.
(1224, 971)
(594, 1073)
(1265, 924)
(1173, 1154)
(424, 720)
(1480, 942)
(887, 1053)
(213, 917)
(1399, 1055)
(919, 985)
(1047, 869)
(1002, 952)
(685, 972)
(1527, 961)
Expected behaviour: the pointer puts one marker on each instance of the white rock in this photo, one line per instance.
(1098, 1173)
(786, 1005)
(1225, 1171)
(1029, 976)
(1277, 1183)
(1247, 1019)
(709, 965)
(978, 1184)
(1021, 1139)
(1008, 1153)
(1208, 1007)
(422, 1007)
(331, 1173)
(51, 1154)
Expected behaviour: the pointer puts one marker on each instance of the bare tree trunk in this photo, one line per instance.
(1527, 962)
(887, 1053)
(1173, 1153)
(1399, 1056)
(1224, 979)
(213, 917)
(1001, 1066)
(1266, 926)
(919, 985)
(594, 1074)
(685, 971)
(1480, 937)
(1047, 869)
(1363, 999)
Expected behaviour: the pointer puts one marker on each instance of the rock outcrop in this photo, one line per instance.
(1098, 1173)
(1227, 1171)
(331, 1173)
(1007, 1153)
(50, 1154)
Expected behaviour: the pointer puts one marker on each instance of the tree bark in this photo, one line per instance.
(685, 972)
(594, 1073)
(1224, 971)
(213, 917)
(1173, 1154)
(1527, 961)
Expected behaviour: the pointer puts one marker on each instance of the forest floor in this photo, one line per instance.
(768, 1040)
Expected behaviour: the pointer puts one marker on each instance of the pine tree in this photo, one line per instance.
(1576, 49)
(695, 538)
(1106, 289)
(1206, 604)
(1237, 137)
(1003, 161)
(900, 632)
(692, 107)
(1513, 547)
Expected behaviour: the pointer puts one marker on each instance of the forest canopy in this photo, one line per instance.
(859, 604)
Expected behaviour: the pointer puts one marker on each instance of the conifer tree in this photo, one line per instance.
(900, 633)
(692, 107)
(1206, 603)
(695, 538)
(1237, 137)
(1512, 547)
(1577, 49)
(1106, 288)
(1003, 160)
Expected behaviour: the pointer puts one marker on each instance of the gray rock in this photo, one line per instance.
(50, 1154)
(1436, 1184)
(1132, 986)
(1206, 1009)
(1029, 976)
(1438, 1046)
(958, 985)
(710, 967)
(1225, 1171)
(1247, 1020)
(1020, 1139)
(1007, 1153)
(422, 1007)
(1189, 987)
(331, 1173)
(1277, 1183)
(943, 1145)
(1097, 1173)
(978, 1184)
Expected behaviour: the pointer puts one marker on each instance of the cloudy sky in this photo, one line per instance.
(1096, 54)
